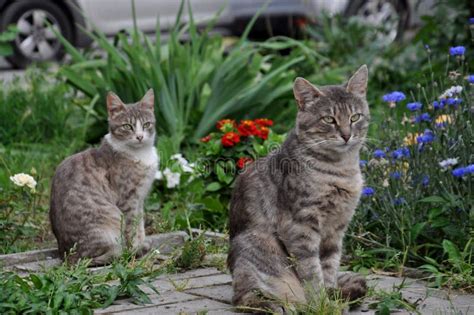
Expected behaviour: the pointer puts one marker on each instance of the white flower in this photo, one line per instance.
(23, 179)
(448, 162)
(456, 89)
(158, 175)
(172, 179)
(185, 165)
(385, 183)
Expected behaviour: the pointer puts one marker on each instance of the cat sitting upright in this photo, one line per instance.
(97, 195)
(289, 210)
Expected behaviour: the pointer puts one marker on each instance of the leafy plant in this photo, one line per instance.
(6, 37)
(75, 289)
(196, 81)
(419, 172)
(192, 254)
(455, 272)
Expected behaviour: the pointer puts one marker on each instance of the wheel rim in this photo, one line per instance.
(35, 39)
(383, 15)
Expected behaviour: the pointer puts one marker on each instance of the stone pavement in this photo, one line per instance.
(209, 291)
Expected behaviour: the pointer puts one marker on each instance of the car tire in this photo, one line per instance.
(35, 42)
(359, 7)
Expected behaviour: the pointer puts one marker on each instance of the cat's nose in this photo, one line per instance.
(140, 138)
(346, 137)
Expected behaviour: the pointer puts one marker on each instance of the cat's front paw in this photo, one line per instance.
(353, 288)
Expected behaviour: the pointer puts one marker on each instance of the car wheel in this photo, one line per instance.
(391, 15)
(35, 41)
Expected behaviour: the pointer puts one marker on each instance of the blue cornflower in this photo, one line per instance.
(379, 154)
(414, 106)
(438, 105)
(399, 201)
(396, 175)
(425, 180)
(457, 51)
(459, 172)
(471, 20)
(401, 153)
(368, 191)
(427, 137)
(423, 117)
(470, 78)
(362, 163)
(470, 169)
(394, 97)
(453, 101)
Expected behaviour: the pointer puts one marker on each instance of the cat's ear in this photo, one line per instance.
(358, 82)
(305, 92)
(148, 101)
(114, 104)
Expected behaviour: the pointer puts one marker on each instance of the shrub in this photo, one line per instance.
(197, 81)
(40, 109)
(419, 174)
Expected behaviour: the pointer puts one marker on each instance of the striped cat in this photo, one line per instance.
(97, 195)
(289, 211)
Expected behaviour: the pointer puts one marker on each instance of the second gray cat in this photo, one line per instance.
(289, 211)
(97, 195)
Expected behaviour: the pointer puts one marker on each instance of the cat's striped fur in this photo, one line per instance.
(289, 211)
(97, 195)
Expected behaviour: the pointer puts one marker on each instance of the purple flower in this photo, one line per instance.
(438, 105)
(414, 106)
(470, 78)
(362, 163)
(453, 101)
(427, 137)
(379, 154)
(459, 172)
(457, 51)
(471, 20)
(470, 168)
(368, 191)
(400, 153)
(399, 201)
(396, 175)
(394, 97)
(423, 117)
(425, 180)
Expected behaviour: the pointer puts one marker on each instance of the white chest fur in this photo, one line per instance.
(146, 155)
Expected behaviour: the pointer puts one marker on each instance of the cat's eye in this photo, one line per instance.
(127, 127)
(329, 119)
(146, 125)
(355, 117)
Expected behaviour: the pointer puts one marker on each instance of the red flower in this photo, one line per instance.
(264, 122)
(206, 139)
(262, 132)
(243, 161)
(247, 128)
(225, 125)
(230, 139)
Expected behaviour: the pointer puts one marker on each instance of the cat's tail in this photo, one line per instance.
(262, 275)
(352, 285)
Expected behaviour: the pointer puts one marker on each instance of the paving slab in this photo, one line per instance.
(210, 290)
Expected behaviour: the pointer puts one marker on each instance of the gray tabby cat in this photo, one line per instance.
(99, 193)
(289, 211)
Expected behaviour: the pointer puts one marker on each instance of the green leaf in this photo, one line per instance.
(433, 199)
(214, 186)
(453, 252)
(36, 281)
(416, 230)
(212, 204)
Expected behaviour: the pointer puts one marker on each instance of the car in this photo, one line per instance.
(35, 20)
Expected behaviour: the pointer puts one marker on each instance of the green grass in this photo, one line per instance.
(76, 289)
